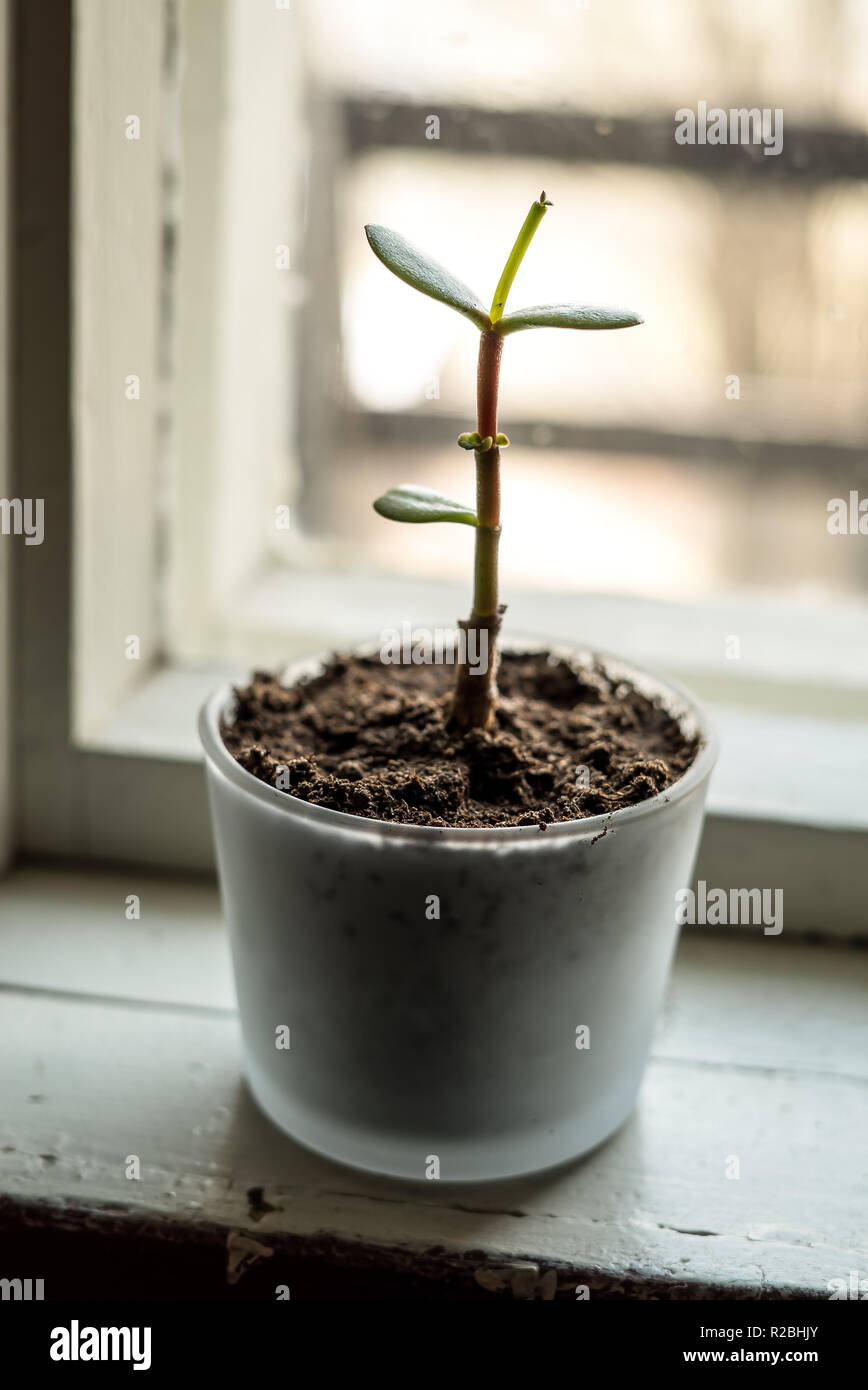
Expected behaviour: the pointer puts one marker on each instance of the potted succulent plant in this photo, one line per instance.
(451, 895)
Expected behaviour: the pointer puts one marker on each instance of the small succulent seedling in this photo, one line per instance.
(475, 691)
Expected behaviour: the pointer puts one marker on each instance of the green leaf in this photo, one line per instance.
(411, 503)
(567, 316)
(425, 275)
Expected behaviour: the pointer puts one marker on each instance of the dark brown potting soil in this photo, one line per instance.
(372, 740)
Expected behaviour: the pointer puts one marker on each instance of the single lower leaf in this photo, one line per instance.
(425, 275)
(411, 503)
(567, 316)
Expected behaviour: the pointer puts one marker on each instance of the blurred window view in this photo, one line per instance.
(639, 466)
(694, 456)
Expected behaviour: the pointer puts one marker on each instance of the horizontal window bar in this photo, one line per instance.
(432, 428)
(808, 153)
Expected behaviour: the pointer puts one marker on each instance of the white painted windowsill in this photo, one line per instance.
(120, 1037)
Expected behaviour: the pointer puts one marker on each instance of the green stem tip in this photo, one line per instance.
(516, 255)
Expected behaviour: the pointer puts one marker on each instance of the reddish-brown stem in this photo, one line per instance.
(476, 676)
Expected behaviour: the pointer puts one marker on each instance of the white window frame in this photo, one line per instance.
(125, 784)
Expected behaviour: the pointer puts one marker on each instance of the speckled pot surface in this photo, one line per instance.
(451, 1045)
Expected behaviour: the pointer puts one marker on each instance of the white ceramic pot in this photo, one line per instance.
(456, 1039)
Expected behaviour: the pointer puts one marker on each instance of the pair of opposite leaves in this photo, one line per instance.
(409, 502)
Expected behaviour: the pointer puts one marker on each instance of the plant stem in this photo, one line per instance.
(475, 694)
(516, 255)
(487, 476)
(475, 679)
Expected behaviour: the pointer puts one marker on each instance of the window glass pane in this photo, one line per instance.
(613, 56)
(693, 456)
